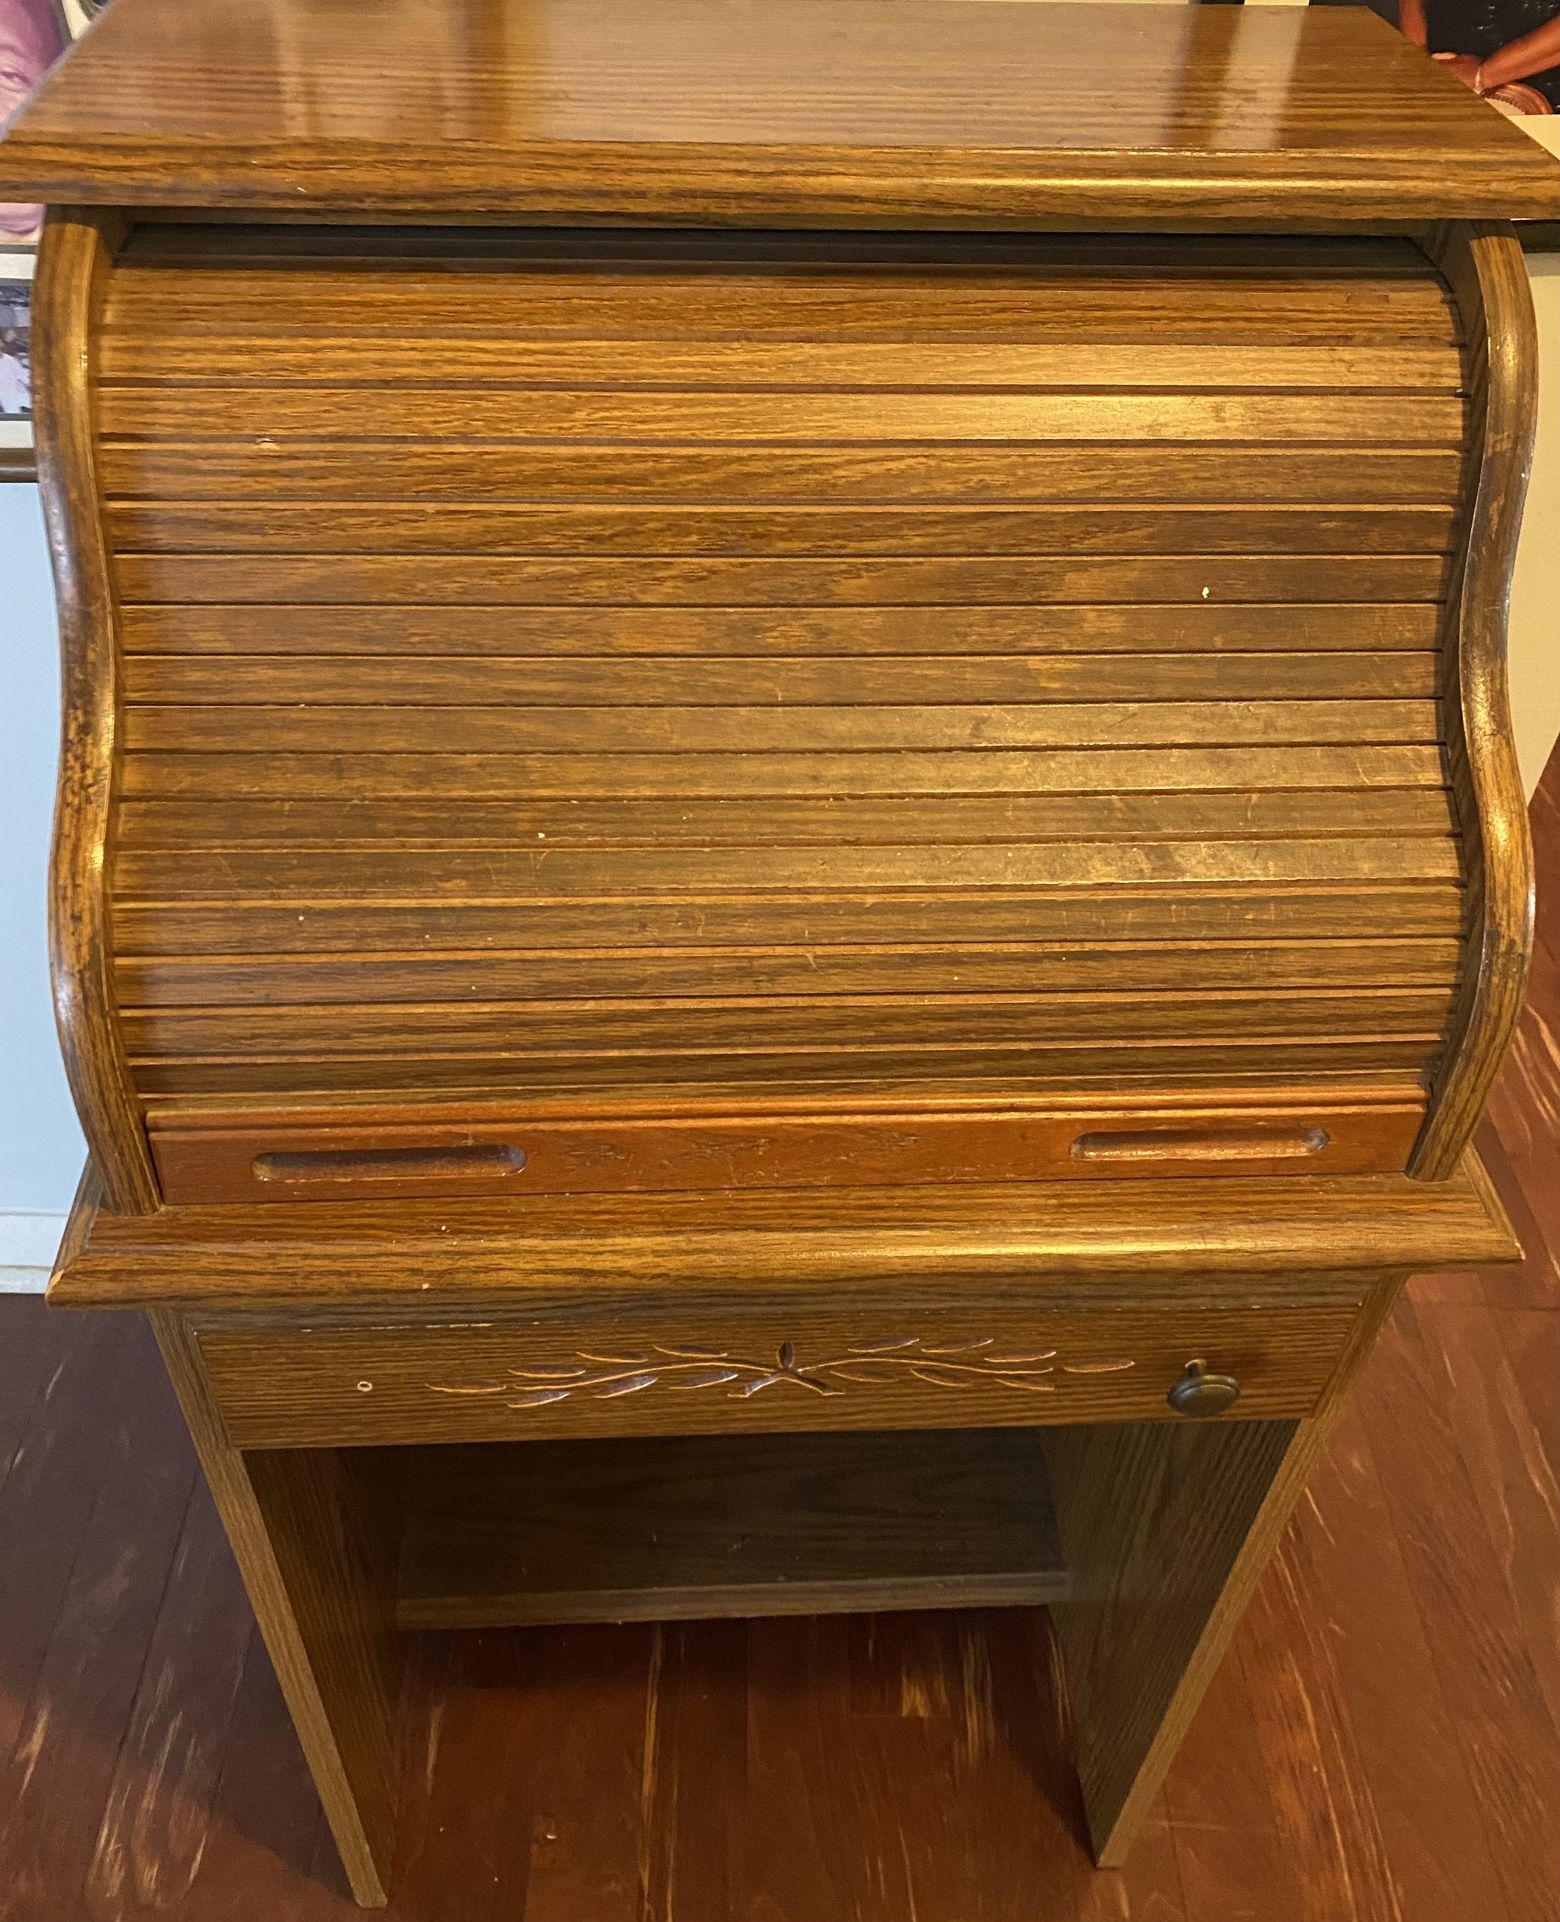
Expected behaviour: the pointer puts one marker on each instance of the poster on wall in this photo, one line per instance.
(16, 267)
(33, 35)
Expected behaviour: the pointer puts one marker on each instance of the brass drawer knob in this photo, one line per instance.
(1199, 1393)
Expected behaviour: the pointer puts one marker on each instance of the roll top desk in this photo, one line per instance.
(786, 794)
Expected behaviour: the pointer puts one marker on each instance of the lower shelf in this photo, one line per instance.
(637, 1530)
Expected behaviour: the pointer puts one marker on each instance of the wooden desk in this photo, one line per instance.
(788, 860)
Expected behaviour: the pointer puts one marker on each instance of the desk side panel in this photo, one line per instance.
(1484, 269)
(75, 261)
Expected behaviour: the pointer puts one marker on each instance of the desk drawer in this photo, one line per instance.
(604, 1368)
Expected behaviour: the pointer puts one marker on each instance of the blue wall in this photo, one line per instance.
(40, 1145)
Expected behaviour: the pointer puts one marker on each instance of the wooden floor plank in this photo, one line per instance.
(814, 1849)
(47, 1500)
(1485, 1667)
(694, 1787)
(1328, 1827)
(1508, 1426)
(1149, 1888)
(469, 1783)
(1519, 1138)
(33, 1357)
(158, 1811)
(55, 1781)
(266, 1820)
(594, 1694)
(1221, 1806)
(1434, 1841)
(1014, 1782)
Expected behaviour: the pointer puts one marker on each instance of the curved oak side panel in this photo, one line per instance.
(1482, 263)
(73, 258)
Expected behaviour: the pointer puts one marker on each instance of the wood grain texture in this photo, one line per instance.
(1168, 1530)
(851, 114)
(1154, 1522)
(598, 1365)
(1283, 477)
(499, 412)
(1382, 1060)
(318, 1565)
(649, 821)
(792, 1525)
(801, 1239)
(397, 528)
(973, 680)
(533, 1154)
(726, 775)
(502, 580)
(707, 635)
(192, 980)
(1067, 1022)
(1485, 269)
(75, 260)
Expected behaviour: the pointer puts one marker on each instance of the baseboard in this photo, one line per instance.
(29, 1242)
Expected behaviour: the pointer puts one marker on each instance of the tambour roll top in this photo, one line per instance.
(711, 673)
(598, 708)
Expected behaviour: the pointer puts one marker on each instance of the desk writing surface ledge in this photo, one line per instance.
(788, 861)
(877, 111)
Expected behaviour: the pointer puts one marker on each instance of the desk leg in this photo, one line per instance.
(1167, 1527)
(1160, 1524)
(312, 1538)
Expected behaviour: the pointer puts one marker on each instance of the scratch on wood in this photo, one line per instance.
(977, 1729)
(31, 1747)
(657, 1828)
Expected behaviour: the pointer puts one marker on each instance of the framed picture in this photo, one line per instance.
(16, 438)
(33, 35)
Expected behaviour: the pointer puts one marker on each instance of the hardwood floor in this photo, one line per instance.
(1383, 1744)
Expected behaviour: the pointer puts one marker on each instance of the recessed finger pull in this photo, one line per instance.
(321, 1166)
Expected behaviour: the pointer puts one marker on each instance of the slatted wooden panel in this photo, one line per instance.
(637, 662)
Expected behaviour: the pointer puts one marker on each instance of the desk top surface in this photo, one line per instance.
(769, 111)
(800, 1239)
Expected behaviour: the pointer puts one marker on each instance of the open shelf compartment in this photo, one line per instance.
(636, 1530)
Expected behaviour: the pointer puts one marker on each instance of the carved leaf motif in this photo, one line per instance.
(863, 1364)
(538, 1397)
(759, 1381)
(630, 1386)
(940, 1374)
